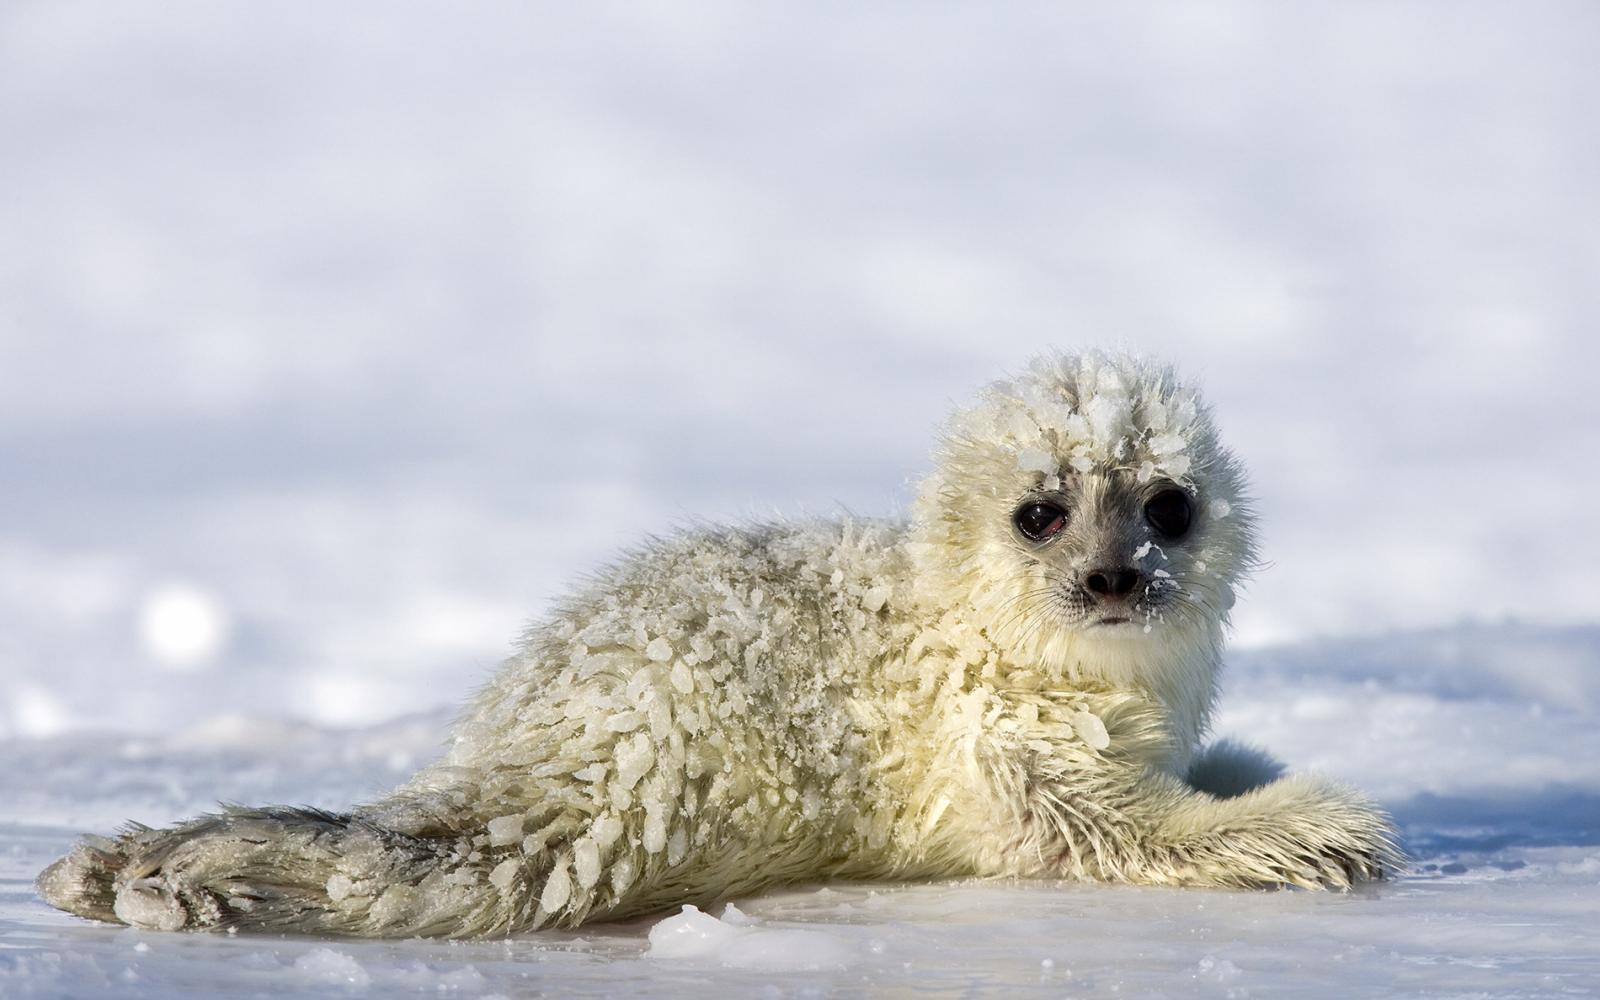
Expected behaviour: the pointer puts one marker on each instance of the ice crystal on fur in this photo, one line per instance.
(732, 708)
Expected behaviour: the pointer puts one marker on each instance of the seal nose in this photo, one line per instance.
(1112, 583)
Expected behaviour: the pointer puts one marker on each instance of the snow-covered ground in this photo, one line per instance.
(1482, 739)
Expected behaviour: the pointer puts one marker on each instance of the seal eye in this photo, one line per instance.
(1039, 521)
(1169, 512)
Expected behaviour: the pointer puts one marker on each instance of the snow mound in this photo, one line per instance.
(738, 942)
(328, 967)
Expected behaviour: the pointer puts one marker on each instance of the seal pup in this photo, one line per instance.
(1014, 682)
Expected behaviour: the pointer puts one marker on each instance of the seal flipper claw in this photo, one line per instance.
(83, 882)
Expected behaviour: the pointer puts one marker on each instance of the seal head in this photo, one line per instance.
(1086, 515)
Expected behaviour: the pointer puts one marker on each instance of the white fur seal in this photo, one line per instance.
(1014, 683)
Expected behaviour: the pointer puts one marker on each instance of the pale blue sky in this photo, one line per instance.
(378, 322)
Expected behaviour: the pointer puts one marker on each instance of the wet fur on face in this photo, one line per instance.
(1098, 435)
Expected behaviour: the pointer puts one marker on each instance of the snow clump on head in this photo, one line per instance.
(1099, 434)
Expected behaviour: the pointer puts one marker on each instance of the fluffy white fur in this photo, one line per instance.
(733, 708)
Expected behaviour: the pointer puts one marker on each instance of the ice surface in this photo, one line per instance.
(1492, 773)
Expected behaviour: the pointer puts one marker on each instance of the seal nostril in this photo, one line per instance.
(1112, 582)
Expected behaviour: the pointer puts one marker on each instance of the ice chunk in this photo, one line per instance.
(690, 933)
(634, 759)
(1091, 730)
(504, 874)
(655, 828)
(1020, 426)
(1220, 970)
(682, 678)
(505, 830)
(606, 829)
(738, 942)
(339, 886)
(1036, 460)
(557, 889)
(1167, 444)
(332, 968)
(626, 722)
(1106, 415)
(623, 872)
(585, 862)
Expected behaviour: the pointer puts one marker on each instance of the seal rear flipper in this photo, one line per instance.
(82, 882)
(275, 869)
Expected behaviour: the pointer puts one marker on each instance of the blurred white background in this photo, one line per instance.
(336, 339)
